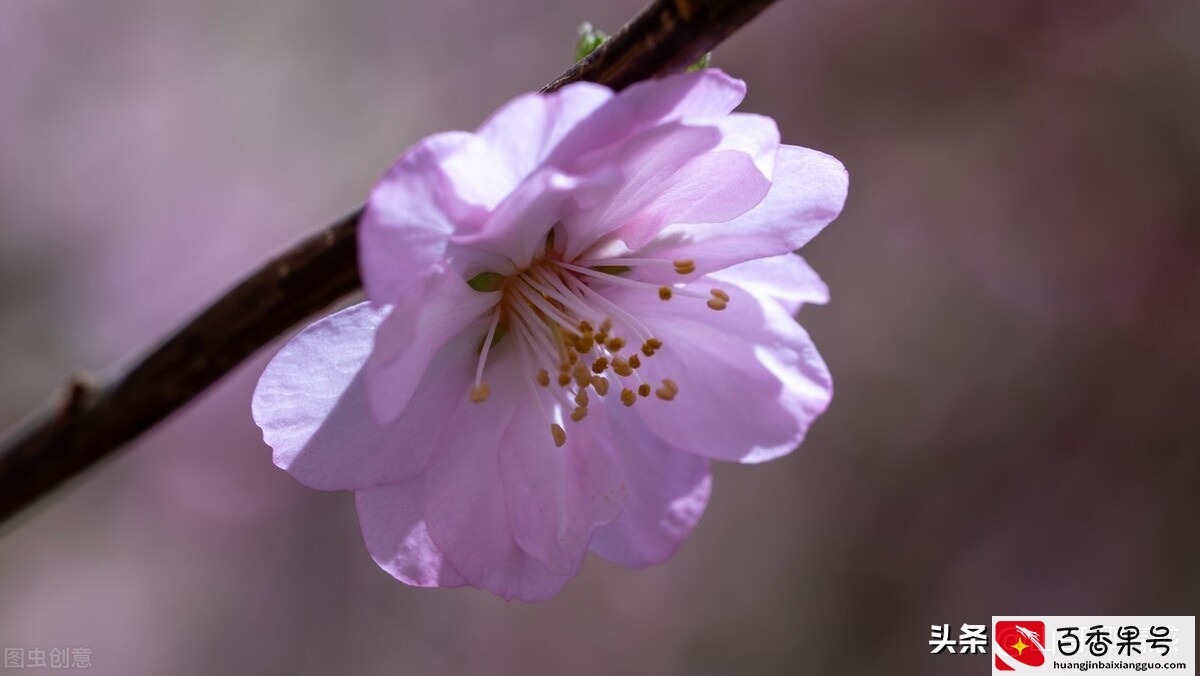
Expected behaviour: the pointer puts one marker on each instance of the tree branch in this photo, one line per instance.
(89, 419)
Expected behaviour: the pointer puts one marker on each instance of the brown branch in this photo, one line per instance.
(90, 418)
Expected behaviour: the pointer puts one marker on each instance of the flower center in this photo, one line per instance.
(573, 342)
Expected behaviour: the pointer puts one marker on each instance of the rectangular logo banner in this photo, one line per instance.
(1102, 644)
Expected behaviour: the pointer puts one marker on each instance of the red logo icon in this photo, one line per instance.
(1020, 641)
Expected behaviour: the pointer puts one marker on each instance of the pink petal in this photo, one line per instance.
(557, 496)
(787, 278)
(411, 214)
(393, 528)
(668, 491)
(644, 164)
(312, 407)
(466, 510)
(698, 97)
(750, 380)
(675, 174)
(807, 192)
(523, 133)
(517, 229)
(414, 332)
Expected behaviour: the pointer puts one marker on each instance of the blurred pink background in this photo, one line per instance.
(1014, 335)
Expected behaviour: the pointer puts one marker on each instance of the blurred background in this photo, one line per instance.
(1014, 332)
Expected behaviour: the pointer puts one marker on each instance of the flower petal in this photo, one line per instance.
(417, 328)
(312, 407)
(411, 214)
(517, 229)
(668, 491)
(807, 192)
(750, 380)
(523, 133)
(696, 97)
(557, 496)
(787, 278)
(465, 503)
(645, 164)
(393, 528)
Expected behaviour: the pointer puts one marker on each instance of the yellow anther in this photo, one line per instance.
(606, 326)
(479, 392)
(578, 414)
(634, 360)
(585, 327)
(628, 396)
(600, 365)
(718, 293)
(615, 344)
(581, 399)
(585, 343)
(668, 390)
(685, 266)
(716, 304)
(543, 378)
(650, 346)
(621, 367)
(664, 292)
(564, 379)
(671, 385)
(582, 377)
(644, 390)
(559, 434)
(600, 384)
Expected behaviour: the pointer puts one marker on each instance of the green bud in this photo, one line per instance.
(701, 63)
(486, 281)
(590, 38)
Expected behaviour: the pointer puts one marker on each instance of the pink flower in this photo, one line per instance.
(571, 311)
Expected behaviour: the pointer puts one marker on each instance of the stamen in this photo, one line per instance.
(479, 391)
(561, 293)
(668, 390)
(543, 378)
(685, 266)
(628, 396)
(650, 346)
(644, 390)
(621, 367)
(634, 361)
(664, 292)
(585, 344)
(719, 300)
(600, 384)
(581, 399)
(615, 344)
(536, 298)
(578, 414)
(582, 377)
(556, 430)
(607, 278)
(624, 262)
(599, 365)
(639, 331)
